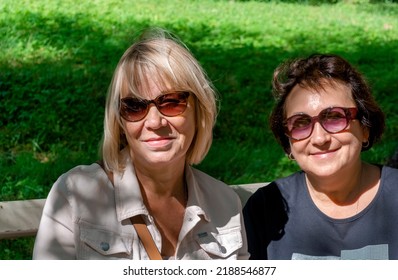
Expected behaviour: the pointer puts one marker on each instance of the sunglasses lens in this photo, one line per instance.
(299, 127)
(133, 109)
(172, 104)
(334, 120)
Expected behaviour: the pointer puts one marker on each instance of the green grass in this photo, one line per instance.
(57, 59)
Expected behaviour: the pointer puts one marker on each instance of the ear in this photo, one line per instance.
(366, 134)
(287, 150)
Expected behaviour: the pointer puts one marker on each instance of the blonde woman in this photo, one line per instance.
(159, 116)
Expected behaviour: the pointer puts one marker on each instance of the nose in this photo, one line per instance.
(154, 119)
(319, 135)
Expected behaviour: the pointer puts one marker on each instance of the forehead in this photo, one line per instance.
(148, 86)
(311, 101)
(153, 88)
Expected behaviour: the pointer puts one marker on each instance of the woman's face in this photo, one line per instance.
(324, 154)
(158, 140)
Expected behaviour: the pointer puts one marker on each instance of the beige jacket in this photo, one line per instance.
(86, 217)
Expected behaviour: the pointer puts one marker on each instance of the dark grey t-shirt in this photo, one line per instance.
(282, 222)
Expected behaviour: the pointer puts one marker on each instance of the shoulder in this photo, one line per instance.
(265, 215)
(82, 172)
(279, 186)
(210, 186)
(82, 178)
(263, 196)
(277, 195)
(389, 171)
(296, 178)
(206, 180)
(389, 176)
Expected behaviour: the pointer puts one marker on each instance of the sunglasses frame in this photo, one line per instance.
(124, 107)
(350, 114)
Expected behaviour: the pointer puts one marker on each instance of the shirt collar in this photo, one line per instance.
(128, 197)
(196, 200)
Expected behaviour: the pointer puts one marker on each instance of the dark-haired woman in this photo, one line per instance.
(337, 206)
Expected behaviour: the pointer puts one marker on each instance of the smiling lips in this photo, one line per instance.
(323, 153)
(158, 141)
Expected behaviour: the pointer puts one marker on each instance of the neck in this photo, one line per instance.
(344, 189)
(165, 195)
(162, 183)
(344, 198)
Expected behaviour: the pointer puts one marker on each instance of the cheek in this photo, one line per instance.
(130, 131)
(359, 133)
(296, 148)
(188, 130)
(188, 126)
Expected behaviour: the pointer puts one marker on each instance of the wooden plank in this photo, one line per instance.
(246, 190)
(20, 218)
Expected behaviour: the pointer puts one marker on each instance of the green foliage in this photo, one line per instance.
(18, 249)
(58, 57)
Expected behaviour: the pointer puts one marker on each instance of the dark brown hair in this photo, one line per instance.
(312, 72)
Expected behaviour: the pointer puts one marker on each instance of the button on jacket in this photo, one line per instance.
(86, 217)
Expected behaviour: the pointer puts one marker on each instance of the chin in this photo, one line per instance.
(319, 168)
(323, 172)
(160, 161)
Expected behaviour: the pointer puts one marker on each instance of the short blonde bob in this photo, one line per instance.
(163, 58)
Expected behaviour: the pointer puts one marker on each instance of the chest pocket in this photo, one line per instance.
(221, 244)
(99, 243)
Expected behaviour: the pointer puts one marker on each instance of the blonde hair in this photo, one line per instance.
(166, 60)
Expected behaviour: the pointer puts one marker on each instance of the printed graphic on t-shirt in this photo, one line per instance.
(371, 252)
